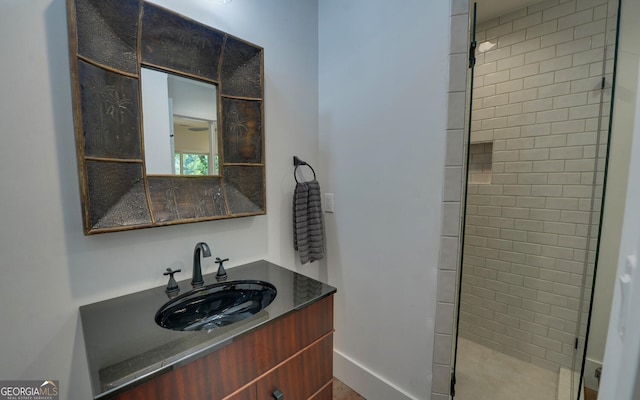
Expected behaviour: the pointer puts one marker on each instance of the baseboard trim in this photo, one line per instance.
(364, 381)
(590, 367)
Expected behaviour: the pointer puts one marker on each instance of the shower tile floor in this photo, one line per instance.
(485, 374)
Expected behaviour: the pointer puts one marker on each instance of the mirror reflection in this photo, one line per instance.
(180, 125)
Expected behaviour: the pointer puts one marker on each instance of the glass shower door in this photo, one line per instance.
(536, 156)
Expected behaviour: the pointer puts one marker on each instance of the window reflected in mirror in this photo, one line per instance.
(180, 125)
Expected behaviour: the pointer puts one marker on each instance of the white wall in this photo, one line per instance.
(383, 106)
(614, 240)
(619, 159)
(622, 356)
(156, 122)
(49, 267)
(193, 99)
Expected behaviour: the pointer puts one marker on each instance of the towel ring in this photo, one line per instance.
(298, 162)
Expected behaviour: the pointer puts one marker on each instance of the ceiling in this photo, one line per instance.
(488, 9)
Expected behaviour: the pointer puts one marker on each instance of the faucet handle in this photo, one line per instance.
(171, 271)
(222, 274)
(172, 286)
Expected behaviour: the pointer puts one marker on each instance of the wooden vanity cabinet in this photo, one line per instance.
(292, 354)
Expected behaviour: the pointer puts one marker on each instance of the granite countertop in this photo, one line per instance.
(126, 347)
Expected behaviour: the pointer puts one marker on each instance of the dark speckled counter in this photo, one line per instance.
(125, 347)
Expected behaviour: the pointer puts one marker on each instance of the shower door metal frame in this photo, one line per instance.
(472, 63)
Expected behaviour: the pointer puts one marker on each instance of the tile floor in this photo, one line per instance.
(566, 388)
(485, 374)
(344, 392)
(590, 394)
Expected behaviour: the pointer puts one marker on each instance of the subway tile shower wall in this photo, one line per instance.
(530, 233)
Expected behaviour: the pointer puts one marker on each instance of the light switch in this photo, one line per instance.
(328, 202)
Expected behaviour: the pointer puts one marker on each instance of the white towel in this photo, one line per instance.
(308, 238)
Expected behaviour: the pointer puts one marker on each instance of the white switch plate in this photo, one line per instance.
(328, 202)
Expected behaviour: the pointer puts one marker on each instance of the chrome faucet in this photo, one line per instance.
(197, 280)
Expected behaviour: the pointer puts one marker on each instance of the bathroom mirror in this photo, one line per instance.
(133, 174)
(179, 119)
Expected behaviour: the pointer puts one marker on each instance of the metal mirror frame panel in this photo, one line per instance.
(109, 41)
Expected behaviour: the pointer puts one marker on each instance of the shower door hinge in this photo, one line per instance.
(604, 81)
(575, 345)
(452, 390)
(472, 54)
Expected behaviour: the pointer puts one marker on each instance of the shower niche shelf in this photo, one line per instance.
(480, 159)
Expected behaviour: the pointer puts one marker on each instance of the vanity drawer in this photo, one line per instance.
(248, 393)
(279, 341)
(301, 376)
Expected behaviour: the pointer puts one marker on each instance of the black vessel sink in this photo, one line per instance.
(216, 305)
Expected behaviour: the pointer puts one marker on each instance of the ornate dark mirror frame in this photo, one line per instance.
(109, 41)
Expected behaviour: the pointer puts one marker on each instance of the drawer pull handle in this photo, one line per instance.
(278, 395)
